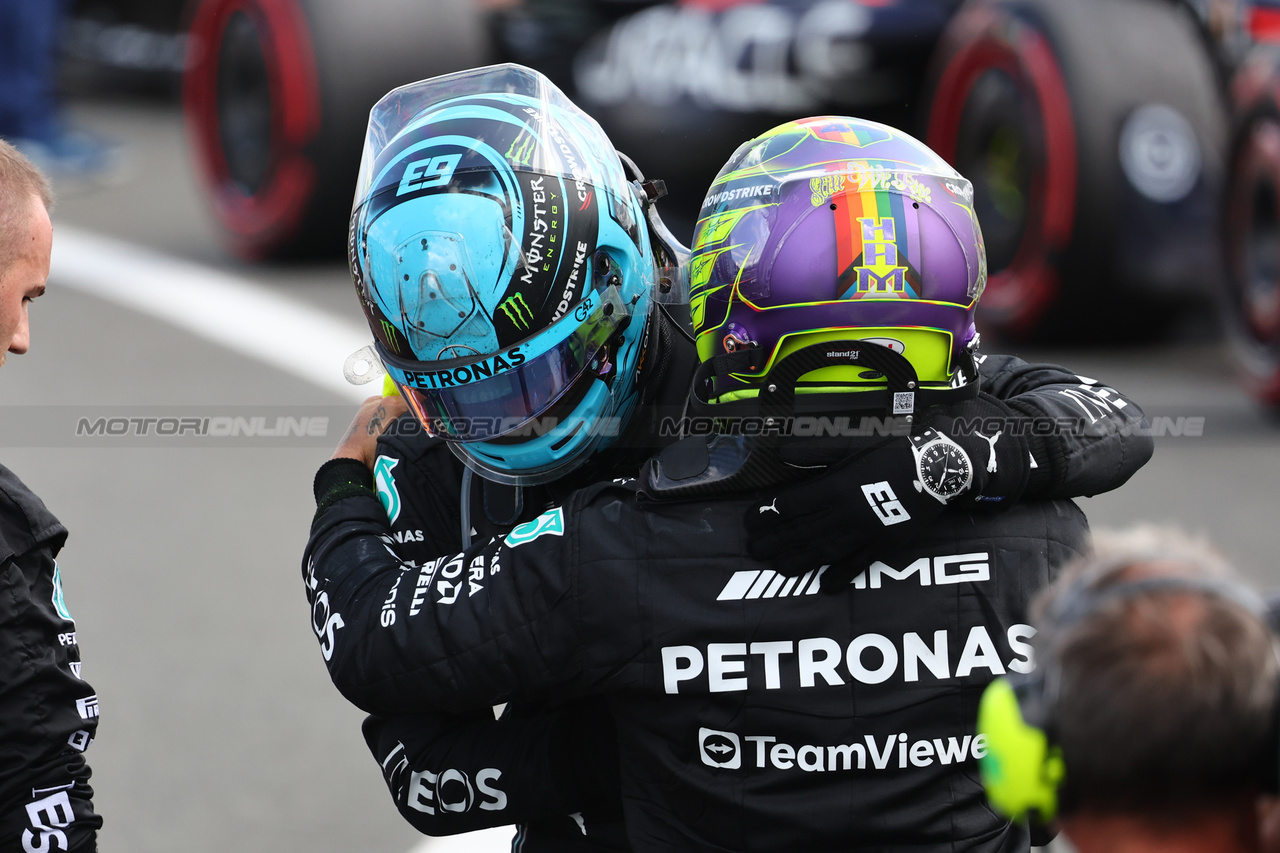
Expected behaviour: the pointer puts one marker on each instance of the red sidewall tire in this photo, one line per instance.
(256, 223)
(1250, 304)
(984, 38)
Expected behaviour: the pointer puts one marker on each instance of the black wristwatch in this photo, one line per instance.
(943, 469)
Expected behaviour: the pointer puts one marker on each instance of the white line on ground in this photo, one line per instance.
(220, 307)
(248, 319)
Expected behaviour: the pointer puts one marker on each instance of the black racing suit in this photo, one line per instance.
(48, 714)
(568, 798)
(553, 764)
(752, 712)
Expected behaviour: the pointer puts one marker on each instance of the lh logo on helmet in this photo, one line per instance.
(880, 271)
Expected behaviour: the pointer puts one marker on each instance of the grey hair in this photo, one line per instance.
(1165, 679)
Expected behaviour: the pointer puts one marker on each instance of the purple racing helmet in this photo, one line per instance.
(834, 228)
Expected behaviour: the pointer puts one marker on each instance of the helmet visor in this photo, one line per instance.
(440, 107)
(479, 399)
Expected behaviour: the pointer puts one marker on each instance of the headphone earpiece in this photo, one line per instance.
(1022, 766)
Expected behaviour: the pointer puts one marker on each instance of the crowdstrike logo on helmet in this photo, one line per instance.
(571, 286)
(756, 191)
(573, 166)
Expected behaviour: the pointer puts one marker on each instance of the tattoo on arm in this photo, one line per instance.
(375, 423)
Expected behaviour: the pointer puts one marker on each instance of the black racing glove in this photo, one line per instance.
(884, 496)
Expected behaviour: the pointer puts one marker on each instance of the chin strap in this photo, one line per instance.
(464, 516)
(492, 497)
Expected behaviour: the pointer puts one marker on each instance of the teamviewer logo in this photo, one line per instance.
(720, 749)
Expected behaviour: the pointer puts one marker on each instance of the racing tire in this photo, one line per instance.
(276, 96)
(1034, 101)
(1250, 296)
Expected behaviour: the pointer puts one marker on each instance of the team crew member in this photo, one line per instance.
(48, 714)
(452, 588)
(1151, 721)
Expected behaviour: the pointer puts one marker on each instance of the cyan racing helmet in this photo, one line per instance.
(834, 228)
(504, 265)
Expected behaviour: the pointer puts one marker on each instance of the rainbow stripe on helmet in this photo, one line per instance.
(837, 226)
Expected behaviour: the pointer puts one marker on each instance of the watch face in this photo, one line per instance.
(944, 468)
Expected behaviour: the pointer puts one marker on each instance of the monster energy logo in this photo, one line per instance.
(389, 332)
(517, 311)
(521, 150)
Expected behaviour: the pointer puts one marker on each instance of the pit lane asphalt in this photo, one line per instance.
(220, 730)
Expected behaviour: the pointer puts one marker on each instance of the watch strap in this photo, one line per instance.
(919, 440)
